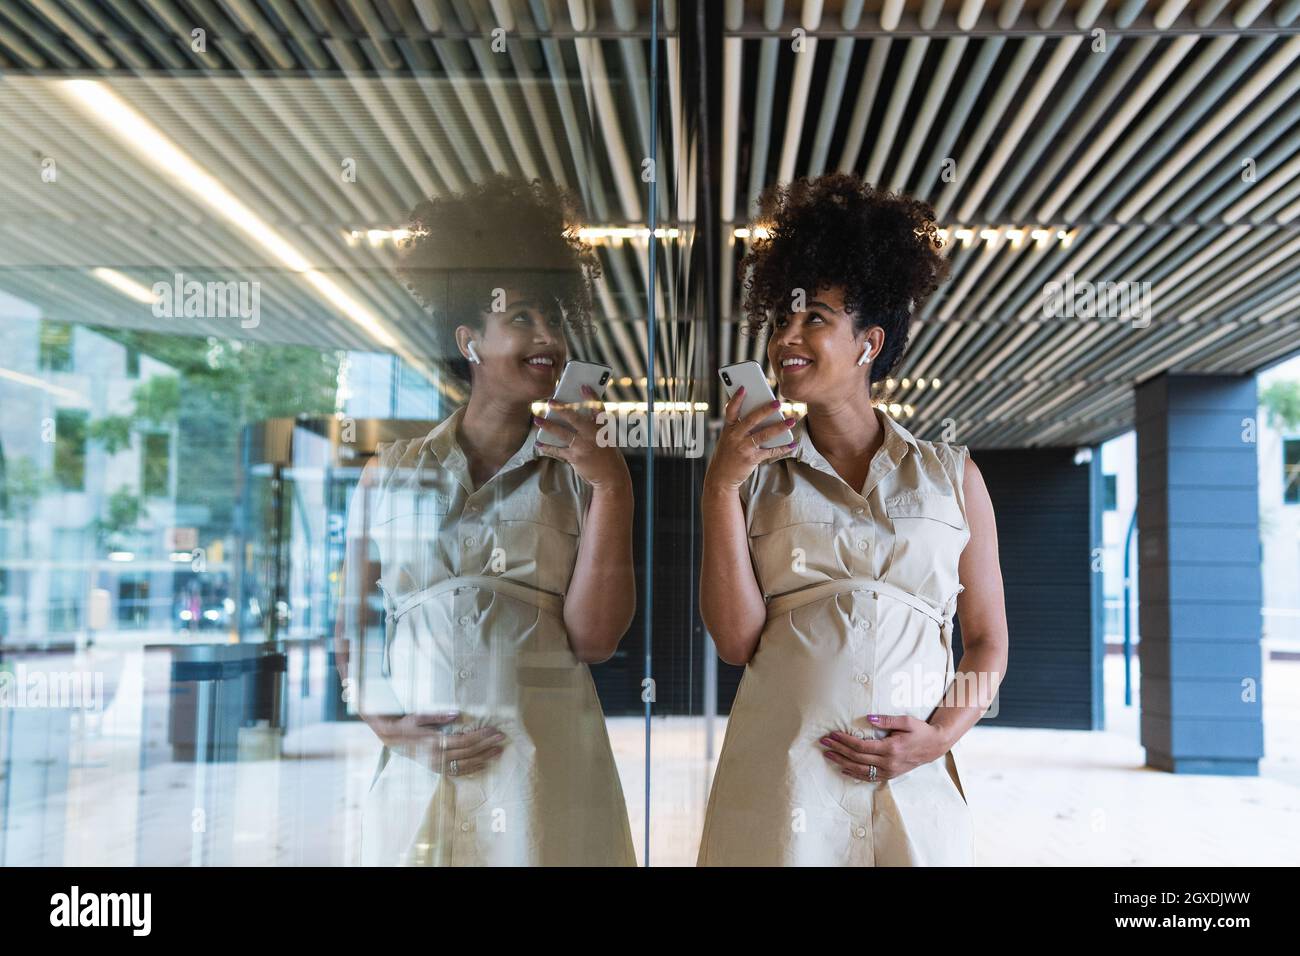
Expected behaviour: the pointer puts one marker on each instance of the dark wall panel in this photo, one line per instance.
(677, 659)
(1045, 507)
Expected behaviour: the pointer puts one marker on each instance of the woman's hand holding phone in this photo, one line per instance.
(601, 466)
(739, 450)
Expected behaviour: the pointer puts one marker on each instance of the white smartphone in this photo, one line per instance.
(757, 394)
(575, 375)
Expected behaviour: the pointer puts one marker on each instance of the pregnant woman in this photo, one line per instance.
(832, 566)
(505, 563)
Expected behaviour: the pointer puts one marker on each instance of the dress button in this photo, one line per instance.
(860, 734)
(861, 678)
(469, 542)
(473, 509)
(860, 831)
(862, 544)
(859, 511)
(464, 620)
(464, 827)
(464, 674)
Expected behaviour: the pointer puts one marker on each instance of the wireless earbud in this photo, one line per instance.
(473, 353)
(866, 354)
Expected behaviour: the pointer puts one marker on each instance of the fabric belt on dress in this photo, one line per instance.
(394, 610)
(794, 599)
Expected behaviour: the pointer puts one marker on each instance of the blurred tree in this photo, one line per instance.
(1282, 402)
(22, 483)
(122, 514)
(158, 400)
(113, 432)
(218, 387)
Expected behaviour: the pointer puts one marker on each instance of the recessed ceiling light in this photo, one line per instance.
(125, 285)
(106, 108)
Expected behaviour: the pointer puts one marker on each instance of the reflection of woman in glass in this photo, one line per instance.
(505, 563)
(832, 565)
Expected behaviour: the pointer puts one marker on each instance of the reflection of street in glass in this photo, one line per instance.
(504, 563)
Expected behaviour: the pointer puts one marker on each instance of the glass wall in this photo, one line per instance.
(289, 571)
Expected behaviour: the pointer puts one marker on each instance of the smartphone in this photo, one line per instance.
(757, 394)
(575, 375)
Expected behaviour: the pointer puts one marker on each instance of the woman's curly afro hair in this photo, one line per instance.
(504, 232)
(836, 230)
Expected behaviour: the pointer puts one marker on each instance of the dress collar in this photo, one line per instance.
(442, 441)
(891, 453)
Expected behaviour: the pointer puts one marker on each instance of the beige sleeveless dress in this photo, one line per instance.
(473, 582)
(861, 590)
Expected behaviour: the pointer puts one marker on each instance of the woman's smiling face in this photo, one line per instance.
(522, 349)
(814, 353)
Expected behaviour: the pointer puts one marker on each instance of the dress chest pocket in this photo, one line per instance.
(403, 526)
(406, 504)
(790, 538)
(930, 533)
(537, 535)
(931, 505)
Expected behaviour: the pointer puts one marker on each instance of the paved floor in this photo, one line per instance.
(1055, 798)
(104, 790)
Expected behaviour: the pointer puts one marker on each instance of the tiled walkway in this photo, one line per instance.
(1040, 797)
(1058, 798)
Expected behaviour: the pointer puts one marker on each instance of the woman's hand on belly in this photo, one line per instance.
(420, 737)
(909, 744)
